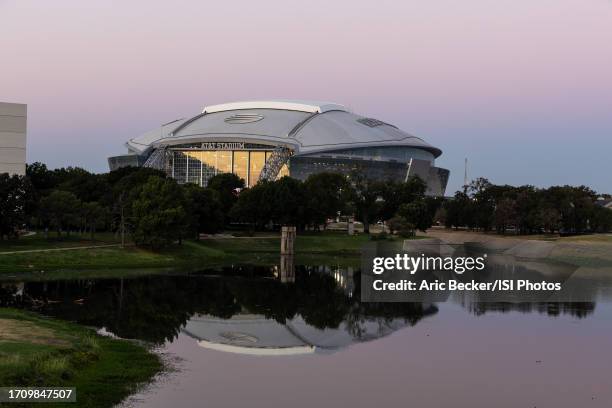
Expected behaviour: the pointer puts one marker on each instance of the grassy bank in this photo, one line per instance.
(321, 248)
(38, 241)
(329, 247)
(37, 351)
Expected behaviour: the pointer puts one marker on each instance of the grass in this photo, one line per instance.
(38, 241)
(44, 352)
(328, 242)
(328, 247)
(313, 248)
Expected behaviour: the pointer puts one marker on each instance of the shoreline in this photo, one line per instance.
(583, 250)
(41, 351)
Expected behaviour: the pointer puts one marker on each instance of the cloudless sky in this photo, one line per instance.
(523, 88)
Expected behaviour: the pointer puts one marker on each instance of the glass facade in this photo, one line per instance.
(241, 166)
(194, 167)
(384, 153)
(199, 166)
(125, 160)
(209, 166)
(256, 164)
(197, 163)
(179, 166)
(224, 161)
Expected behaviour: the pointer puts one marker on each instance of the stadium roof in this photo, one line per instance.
(281, 104)
(306, 127)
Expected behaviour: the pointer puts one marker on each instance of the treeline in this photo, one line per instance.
(323, 196)
(155, 211)
(525, 209)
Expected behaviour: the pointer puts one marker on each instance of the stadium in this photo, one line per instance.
(265, 140)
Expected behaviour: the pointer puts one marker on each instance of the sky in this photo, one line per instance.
(522, 88)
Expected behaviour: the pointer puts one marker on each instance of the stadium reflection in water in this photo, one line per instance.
(283, 304)
(263, 328)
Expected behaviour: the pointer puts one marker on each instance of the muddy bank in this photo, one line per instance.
(579, 252)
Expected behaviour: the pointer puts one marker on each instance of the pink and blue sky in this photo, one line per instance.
(523, 88)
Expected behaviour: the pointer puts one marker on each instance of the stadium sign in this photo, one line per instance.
(223, 145)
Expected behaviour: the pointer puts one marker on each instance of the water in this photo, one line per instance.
(261, 337)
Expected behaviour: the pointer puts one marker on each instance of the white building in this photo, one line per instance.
(267, 139)
(13, 120)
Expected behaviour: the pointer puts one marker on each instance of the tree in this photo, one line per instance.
(526, 208)
(365, 195)
(61, 210)
(158, 213)
(418, 214)
(527, 211)
(125, 185)
(227, 186)
(93, 216)
(140, 173)
(434, 208)
(204, 209)
(401, 225)
(86, 186)
(282, 202)
(127, 178)
(551, 219)
(482, 203)
(602, 219)
(42, 179)
(395, 194)
(324, 197)
(14, 192)
(289, 202)
(255, 205)
(505, 215)
(458, 210)
(576, 206)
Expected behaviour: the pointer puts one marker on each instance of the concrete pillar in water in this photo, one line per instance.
(287, 240)
(351, 226)
(287, 269)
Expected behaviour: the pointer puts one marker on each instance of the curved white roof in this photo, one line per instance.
(143, 142)
(281, 104)
(306, 127)
(258, 335)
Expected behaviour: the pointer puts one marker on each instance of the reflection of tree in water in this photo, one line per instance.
(576, 309)
(155, 308)
(358, 313)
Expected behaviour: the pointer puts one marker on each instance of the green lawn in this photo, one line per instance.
(105, 258)
(322, 248)
(328, 242)
(313, 248)
(38, 241)
(44, 352)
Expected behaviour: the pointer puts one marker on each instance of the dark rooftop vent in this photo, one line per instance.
(241, 118)
(371, 122)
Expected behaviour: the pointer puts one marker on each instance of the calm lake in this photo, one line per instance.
(261, 337)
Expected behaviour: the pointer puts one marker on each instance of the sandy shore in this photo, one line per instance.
(584, 250)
